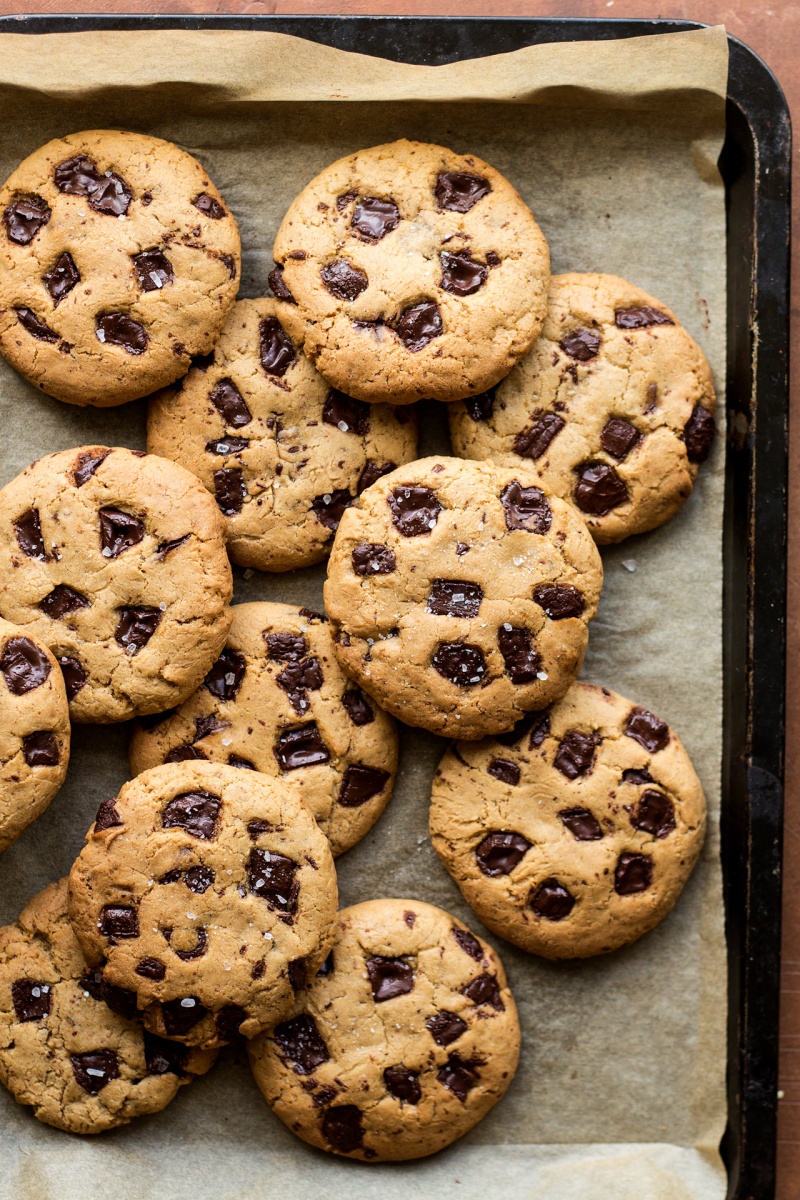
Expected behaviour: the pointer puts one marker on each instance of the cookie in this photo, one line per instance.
(460, 594)
(34, 731)
(613, 408)
(208, 892)
(574, 834)
(118, 262)
(276, 701)
(401, 1043)
(281, 450)
(116, 561)
(414, 272)
(69, 1047)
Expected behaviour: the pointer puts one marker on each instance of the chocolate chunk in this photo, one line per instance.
(230, 404)
(118, 531)
(301, 747)
(277, 283)
(151, 968)
(523, 663)
(74, 675)
(209, 207)
(575, 754)
(459, 191)
(32, 999)
(599, 489)
(418, 325)
(107, 816)
(110, 194)
(199, 948)
(358, 707)
(369, 558)
(182, 1015)
(286, 647)
(504, 770)
(371, 473)
(633, 873)
(454, 598)
(28, 529)
(121, 330)
(344, 280)
(640, 317)
(165, 548)
(298, 971)
(61, 601)
(327, 966)
(533, 442)
(539, 732)
(87, 464)
(389, 977)
(61, 278)
(647, 730)
(582, 344)
(619, 437)
(135, 627)
(329, 507)
(360, 784)
(637, 776)
(468, 943)
(225, 446)
(195, 812)
(342, 1128)
(582, 824)
(163, 1057)
(119, 1000)
(480, 407)
(118, 921)
(199, 879)
(256, 827)
(300, 1041)
(460, 663)
(184, 754)
(35, 326)
(459, 1076)
(403, 1083)
(229, 490)
(297, 679)
(225, 677)
(499, 853)
(153, 270)
(77, 176)
(24, 665)
(445, 1027)
(559, 600)
(348, 415)
(24, 217)
(277, 349)
(698, 434)
(461, 274)
(415, 510)
(94, 1069)
(525, 508)
(373, 218)
(40, 749)
(552, 901)
(485, 990)
(272, 877)
(654, 814)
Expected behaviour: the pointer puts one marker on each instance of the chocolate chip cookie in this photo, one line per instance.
(277, 701)
(208, 892)
(411, 271)
(403, 1041)
(69, 1047)
(116, 561)
(119, 261)
(613, 408)
(282, 451)
(34, 731)
(460, 593)
(575, 833)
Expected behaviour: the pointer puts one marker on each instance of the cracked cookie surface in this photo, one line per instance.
(281, 450)
(210, 893)
(277, 701)
(119, 261)
(461, 593)
(401, 1043)
(574, 834)
(613, 408)
(68, 1045)
(415, 273)
(116, 561)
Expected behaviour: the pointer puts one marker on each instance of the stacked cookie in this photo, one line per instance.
(459, 593)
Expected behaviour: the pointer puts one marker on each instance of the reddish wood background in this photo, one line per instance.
(772, 28)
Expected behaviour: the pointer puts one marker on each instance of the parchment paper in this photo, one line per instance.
(621, 1086)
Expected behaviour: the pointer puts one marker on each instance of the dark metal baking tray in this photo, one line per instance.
(755, 165)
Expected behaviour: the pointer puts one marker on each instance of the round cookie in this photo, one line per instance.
(402, 1042)
(281, 450)
(415, 272)
(276, 701)
(68, 1046)
(461, 594)
(613, 408)
(34, 731)
(575, 833)
(210, 893)
(118, 263)
(116, 561)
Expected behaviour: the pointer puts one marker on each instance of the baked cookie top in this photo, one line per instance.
(116, 561)
(575, 833)
(282, 451)
(34, 731)
(277, 701)
(69, 1047)
(460, 593)
(400, 1044)
(118, 262)
(415, 272)
(613, 408)
(210, 893)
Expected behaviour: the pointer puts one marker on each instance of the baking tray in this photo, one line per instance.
(755, 164)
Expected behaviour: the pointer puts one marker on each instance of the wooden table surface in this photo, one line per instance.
(772, 28)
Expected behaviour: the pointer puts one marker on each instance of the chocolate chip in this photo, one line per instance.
(230, 404)
(360, 784)
(61, 278)
(182, 1015)
(299, 1040)
(61, 601)
(277, 349)
(209, 207)
(342, 1128)
(163, 1057)
(522, 661)
(369, 558)
(301, 747)
(633, 873)
(135, 627)
(454, 598)
(286, 647)
(418, 325)
(485, 990)
(279, 289)
(107, 816)
(654, 814)
(110, 194)
(403, 1083)
(373, 218)
(153, 270)
(539, 732)
(298, 971)
(445, 1027)
(619, 437)
(121, 330)
(29, 535)
(637, 776)
(533, 442)
(358, 708)
(599, 489)
(698, 434)
(504, 770)
(24, 665)
(225, 446)
(40, 749)
(184, 754)
(229, 490)
(74, 675)
(575, 754)
(552, 901)
(526, 508)
(499, 853)
(118, 531)
(640, 317)
(647, 730)
(460, 663)
(329, 507)
(228, 1022)
(94, 1069)
(468, 943)
(480, 407)
(256, 827)
(24, 217)
(344, 280)
(118, 921)
(272, 877)
(119, 1000)
(199, 879)
(35, 326)
(559, 600)
(199, 948)
(389, 977)
(297, 679)
(195, 812)
(582, 824)
(76, 176)
(459, 191)
(87, 464)
(415, 510)
(581, 344)
(225, 677)
(371, 473)
(151, 968)
(348, 415)
(32, 999)
(461, 274)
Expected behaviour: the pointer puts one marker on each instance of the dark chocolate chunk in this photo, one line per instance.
(225, 677)
(582, 344)
(480, 407)
(368, 558)
(301, 747)
(163, 1057)
(499, 853)
(87, 464)
(526, 508)
(619, 437)
(640, 317)
(199, 879)
(94, 1069)
(118, 531)
(121, 330)
(28, 529)
(74, 675)
(256, 827)
(461, 274)
(61, 601)
(286, 647)
(454, 598)
(272, 877)
(199, 948)
(40, 749)
(32, 999)
(637, 776)
(415, 510)
(358, 707)
(24, 217)
(327, 966)
(445, 1027)
(298, 971)
(278, 285)
(360, 784)
(504, 770)
(523, 663)
(533, 442)
(633, 873)
(654, 814)
(468, 943)
(182, 1014)
(559, 600)
(230, 404)
(300, 1041)
(344, 280)
(118, 921)
(552, 901)
(698, 434)
(151, 968)
(460, 663)
(373, 217)
(647, 730)
(599, 489)
(403, 1083)
(297, 679)
(459, 1075)
(136, 626)
(582, 824)
(229, 490)
(107, 816)
(24, 665)
(195, 812)
(342, 1128)
(371, 473)
(277, 349)
(225, 446)
(153, 270)
(77, 176)
(575, 754)
(418, 325)
(184, 754)
(61, 278)
(389, 977)
(329, 507)
(110, 194)
(485, 990)
(347, 414)
(35, 326)
(459, 191)
(209, 206)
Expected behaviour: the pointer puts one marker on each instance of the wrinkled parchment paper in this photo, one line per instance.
(620, 1092)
